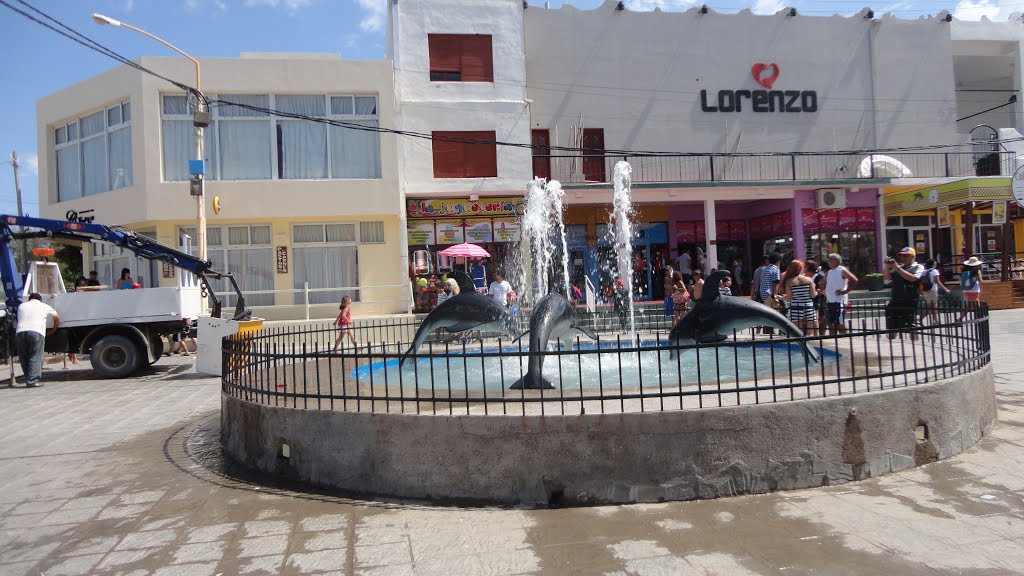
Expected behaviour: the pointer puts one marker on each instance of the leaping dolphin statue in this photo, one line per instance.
(553, 318)
(466, 311)
(714, 318)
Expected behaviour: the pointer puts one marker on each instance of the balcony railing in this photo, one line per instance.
(768, 167)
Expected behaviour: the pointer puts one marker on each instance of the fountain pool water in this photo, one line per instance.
(475, 369)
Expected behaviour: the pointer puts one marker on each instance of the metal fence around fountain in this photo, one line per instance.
(471, 373)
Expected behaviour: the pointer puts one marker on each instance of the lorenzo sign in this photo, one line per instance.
(762, 100)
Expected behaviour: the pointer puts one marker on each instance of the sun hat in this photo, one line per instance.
(973, 261)
(908, 250)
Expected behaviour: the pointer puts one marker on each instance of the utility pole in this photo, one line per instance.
(17, 192)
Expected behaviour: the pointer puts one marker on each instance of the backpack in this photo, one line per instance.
(967, 280)
(926, 281)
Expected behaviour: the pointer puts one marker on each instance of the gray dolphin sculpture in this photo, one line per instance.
(714, 318)
(466, 311)
(553, 318)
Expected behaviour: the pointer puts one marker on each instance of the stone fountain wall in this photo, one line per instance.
(615, 458)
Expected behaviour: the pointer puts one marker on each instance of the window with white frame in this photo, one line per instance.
(245, 142)
(109, 260)
(94, 152)
(179, 139)
(326, 256)
(245, 251)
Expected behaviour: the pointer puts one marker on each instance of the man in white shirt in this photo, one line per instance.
(499, 289)
(686, 267)
(31, 335)
(839, 282)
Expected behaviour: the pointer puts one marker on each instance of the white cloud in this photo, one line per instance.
(30, 162)
(374, 14)
(767, 6)
(642, 5)
(218, 5)
(129, 5)
(995, 11)
(292, 6)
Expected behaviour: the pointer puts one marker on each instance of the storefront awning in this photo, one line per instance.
(902, 200)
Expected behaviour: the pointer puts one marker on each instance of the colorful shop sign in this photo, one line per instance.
(461, 207)
(506, 230)
(450, 231)
(421, 233)
(478, 230)
(906, 199)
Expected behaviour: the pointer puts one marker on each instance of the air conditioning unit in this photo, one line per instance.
(831, 198)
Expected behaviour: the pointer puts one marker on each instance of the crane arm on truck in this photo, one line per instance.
(141, 246)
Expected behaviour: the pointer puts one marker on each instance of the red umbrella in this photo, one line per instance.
(465, 250)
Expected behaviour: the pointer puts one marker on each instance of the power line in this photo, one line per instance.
(79, 38)
(84, 40)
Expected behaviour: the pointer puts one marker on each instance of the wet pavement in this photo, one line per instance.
(125, 477)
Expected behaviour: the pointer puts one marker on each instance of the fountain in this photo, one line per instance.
(544, 236)
(620, 228)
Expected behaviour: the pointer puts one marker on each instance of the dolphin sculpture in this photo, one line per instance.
(714, 318)
(466, 311)
(554, 317)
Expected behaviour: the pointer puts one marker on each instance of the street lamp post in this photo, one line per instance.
(201, 118)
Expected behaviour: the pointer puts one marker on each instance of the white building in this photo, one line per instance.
(734, 94)
(304, 203)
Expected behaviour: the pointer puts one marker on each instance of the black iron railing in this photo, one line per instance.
(766, 167)
(298, 368)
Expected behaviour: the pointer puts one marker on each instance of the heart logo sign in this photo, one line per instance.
(765, 74)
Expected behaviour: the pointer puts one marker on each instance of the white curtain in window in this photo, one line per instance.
(212, 237)
(69, 184)
(93, 124)
(366, 105)
(302, 145)
(260, 234)
(257, 100)
(327, 267)
(244, 148)
(94, 166)
(253, 272)
(238, 235)
(355, 153)
(120, 143)
(308, 233)
(177, 146)
(302, 149)
(175, 104)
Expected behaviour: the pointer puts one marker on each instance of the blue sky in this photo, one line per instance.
(39, 62)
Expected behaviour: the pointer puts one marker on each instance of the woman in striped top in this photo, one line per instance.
(800, 294)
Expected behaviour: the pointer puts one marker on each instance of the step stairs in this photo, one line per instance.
(1018, 294)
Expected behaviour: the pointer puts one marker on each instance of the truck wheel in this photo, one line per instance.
(115, 357)
(156, 344)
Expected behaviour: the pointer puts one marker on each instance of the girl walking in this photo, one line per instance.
(344, 323)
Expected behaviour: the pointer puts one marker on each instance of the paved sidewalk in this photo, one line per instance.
(121, 477)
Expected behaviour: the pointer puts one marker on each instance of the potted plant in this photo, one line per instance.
(873, 281)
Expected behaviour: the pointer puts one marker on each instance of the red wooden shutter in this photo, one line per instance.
(477, 59)
(481, 160)
(541, 141)
(445, 52)
(448, 161)
(593, 154)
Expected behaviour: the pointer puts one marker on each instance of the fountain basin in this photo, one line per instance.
(614, 458)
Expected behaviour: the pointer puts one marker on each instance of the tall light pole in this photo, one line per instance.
(200, 119)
